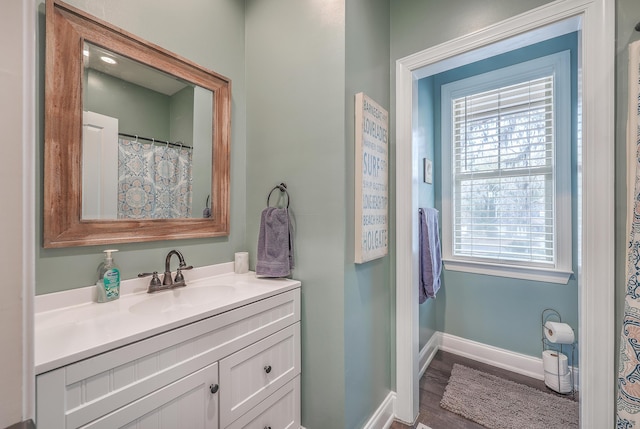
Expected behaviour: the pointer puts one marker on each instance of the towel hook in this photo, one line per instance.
(282, 187)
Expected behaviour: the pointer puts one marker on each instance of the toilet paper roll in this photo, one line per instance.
(559, 333)
(559, 383)
(241, 263)
(555, 362)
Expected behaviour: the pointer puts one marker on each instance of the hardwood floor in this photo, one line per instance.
(434, 381)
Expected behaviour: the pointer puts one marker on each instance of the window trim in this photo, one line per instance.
(560, 271)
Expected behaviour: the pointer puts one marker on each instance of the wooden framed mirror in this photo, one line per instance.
(93, 199)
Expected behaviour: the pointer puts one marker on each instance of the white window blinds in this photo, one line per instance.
(503, 173)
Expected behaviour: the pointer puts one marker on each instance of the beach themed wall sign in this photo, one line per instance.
(371, 179)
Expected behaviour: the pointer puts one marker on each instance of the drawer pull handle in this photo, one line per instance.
(267, 427)
(267, 369)
(214, 388)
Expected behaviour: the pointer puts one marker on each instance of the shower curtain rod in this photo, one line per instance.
(176, 144)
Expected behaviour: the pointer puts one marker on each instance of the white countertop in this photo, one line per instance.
(70, 327)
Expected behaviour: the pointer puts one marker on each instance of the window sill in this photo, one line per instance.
(511, 271)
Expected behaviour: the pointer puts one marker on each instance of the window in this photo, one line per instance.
(506, 163)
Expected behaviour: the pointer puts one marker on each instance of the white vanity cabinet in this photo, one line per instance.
(237, 369)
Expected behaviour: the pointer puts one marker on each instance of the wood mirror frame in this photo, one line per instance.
(66, 30)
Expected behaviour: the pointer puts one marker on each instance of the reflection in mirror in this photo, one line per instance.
(142, 141)
(140, 154)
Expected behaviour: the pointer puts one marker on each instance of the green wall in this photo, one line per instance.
(181, 105)
(140, 111)
(305, 63)
(210, 33)
(296, 111)
(418, 25)
(367, 295)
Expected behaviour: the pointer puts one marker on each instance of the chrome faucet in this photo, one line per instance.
(167, 282)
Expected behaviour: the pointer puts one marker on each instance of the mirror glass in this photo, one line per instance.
(146, 141)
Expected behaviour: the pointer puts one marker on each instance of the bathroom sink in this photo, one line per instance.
(181, 298)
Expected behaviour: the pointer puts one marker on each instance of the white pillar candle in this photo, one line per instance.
(241, 262)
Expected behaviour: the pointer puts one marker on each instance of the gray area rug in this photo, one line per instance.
(502, 404)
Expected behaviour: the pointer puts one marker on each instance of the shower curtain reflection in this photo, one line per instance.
(154, 181)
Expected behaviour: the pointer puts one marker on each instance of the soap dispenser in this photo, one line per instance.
(108, 285)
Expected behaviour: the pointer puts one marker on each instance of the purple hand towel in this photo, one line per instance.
(430, 258)
(275, 243)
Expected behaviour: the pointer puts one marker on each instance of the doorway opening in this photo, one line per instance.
(594, 22)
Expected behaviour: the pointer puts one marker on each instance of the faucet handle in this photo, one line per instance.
(155, 280)
(155, 284)
(179, 279)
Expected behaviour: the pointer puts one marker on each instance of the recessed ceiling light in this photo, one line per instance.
(108, 60)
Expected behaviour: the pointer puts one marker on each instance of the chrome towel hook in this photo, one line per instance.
(282, 187)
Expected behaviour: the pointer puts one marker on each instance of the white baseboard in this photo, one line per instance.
(384, 415)
(428, 352)
(501, 358)
(505, 359)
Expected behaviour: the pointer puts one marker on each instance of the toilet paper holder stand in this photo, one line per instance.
(549, 314)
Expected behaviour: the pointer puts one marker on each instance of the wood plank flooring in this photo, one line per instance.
(434, 381)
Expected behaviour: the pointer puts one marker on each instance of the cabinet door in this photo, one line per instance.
(191, 402)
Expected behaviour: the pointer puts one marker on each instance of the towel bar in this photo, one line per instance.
(282, 187)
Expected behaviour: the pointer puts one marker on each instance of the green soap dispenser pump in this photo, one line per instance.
(108, 285)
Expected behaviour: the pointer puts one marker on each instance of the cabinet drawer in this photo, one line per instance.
(255, 372)
(279, 411)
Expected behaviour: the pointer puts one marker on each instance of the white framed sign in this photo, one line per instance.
(372, 180)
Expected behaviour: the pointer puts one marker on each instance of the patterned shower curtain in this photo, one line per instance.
(628, 407)
(154, 181)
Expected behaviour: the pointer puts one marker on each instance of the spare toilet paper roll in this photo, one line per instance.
(555, 362)
(241, 263)
(559, 333)
(559, 383)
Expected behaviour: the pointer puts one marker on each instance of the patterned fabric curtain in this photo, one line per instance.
(628, 407)
(154, 181)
